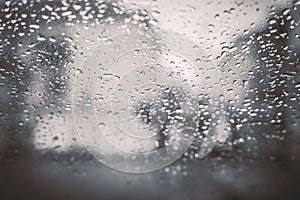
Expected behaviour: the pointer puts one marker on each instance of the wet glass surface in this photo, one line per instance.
(228, 83)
